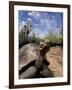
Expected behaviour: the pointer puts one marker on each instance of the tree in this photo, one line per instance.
(27, 28)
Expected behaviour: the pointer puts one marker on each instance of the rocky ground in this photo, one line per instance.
(55, 57)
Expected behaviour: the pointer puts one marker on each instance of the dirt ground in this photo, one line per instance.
(55, 57)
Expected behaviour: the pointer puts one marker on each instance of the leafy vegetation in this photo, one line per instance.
(54, 38)
(24, 40)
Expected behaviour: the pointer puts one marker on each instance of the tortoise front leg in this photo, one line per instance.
(46, 72)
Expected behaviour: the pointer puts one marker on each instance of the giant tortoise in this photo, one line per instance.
(31, 62)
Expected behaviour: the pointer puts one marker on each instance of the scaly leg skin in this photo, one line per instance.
(45, 72)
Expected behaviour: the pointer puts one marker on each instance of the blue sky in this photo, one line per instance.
(42, 22)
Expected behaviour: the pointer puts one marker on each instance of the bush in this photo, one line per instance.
(25, 40)
(34, 40)
(22, 39)
(55, 39)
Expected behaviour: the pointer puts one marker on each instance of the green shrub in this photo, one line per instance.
(22, 39)
(34, 40)
(25, 40)
(53, 38)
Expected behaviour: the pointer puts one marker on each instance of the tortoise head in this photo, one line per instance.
(44, 46)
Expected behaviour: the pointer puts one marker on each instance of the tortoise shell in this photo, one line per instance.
(27, 54)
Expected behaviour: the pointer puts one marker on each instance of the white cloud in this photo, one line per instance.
(50, 24)
(30, 13)
(57, 31)
(47, 24)
(41, 20)
(36, 24)
(36, 15)
(21, 25)
(29, 19)
(23, 22)
(44, 21)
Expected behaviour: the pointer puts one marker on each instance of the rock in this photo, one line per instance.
(29, 73)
